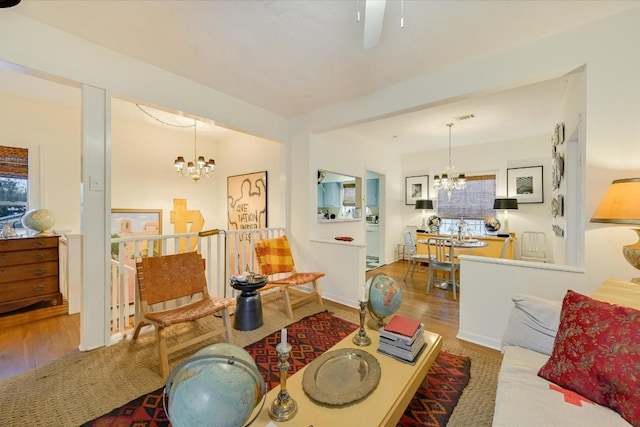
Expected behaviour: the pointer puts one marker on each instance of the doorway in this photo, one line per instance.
(374, 219)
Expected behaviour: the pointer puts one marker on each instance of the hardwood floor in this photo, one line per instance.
(39, 342)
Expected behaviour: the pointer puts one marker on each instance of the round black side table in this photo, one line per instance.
(248, 314)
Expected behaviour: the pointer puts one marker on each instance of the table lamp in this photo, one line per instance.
(505, 204)
(424, 205)
(620, 205)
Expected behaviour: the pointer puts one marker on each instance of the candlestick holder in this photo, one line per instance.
(283, 407)
(361, 337)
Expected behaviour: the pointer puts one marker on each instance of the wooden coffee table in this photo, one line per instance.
(382, 407)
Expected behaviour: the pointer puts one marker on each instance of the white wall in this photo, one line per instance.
(487, 285)
(51, 133)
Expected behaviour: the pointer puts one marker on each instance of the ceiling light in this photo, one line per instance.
(198, 168)
(450, 179)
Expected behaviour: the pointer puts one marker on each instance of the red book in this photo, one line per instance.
(402, 325)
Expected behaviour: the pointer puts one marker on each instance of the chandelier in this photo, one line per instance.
(197, 168)
(450, 179)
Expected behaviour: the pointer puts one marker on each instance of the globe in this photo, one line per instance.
(219, 386)
(39, 220)
(385, 298)
(492, 224)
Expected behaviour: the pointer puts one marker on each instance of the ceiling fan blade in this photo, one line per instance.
(373, 18)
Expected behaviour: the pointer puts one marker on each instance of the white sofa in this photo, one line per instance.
(525, 399)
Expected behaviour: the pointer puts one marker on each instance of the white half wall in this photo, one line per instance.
(487, 285)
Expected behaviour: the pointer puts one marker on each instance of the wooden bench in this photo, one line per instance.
(172, 279)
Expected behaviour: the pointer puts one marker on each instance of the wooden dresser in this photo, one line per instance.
(29, 272)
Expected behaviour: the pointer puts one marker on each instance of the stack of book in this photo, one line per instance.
(402, 338)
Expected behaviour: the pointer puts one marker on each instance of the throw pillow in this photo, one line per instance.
(597, 354)
(533, 323)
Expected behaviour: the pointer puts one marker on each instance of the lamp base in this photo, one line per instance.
(632, 254)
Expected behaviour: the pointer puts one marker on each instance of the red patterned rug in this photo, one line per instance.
(310, 337)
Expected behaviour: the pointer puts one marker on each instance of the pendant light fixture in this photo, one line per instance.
(198, 168)
(450, 179)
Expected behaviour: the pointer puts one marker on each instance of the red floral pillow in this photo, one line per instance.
(597, 354)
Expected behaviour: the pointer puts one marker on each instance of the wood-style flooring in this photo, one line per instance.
(39, 342)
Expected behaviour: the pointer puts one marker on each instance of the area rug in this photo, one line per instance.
(309, 338)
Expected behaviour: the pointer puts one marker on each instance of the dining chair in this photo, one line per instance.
(442, 258)
(414, 257)
(534, 246)
(505, 247)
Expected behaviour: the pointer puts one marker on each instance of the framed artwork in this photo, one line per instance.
(246, 209)
(416, 187)
(247, 201)
(525, 184)
(136, 223)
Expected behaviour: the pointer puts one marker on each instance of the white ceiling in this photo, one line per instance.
(292, 56)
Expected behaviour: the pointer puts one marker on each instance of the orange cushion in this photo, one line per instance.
(274, 255)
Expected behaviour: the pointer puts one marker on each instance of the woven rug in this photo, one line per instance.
(309, 338)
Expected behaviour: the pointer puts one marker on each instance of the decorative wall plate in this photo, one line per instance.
(342, 376)
(554, 207)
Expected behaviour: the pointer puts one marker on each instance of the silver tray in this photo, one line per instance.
(342, 376)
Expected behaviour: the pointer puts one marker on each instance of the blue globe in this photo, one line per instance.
(219, 386)
(385, 297)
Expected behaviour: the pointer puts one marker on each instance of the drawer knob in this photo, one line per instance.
(39, 255)
(39, 272)
(38, 288)
(38, 243)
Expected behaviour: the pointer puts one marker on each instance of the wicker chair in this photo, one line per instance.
(172, 279)
(275, 260)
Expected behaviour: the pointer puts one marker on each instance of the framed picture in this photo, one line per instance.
(246, 210)
(247, 201)
(136, 223)
(416, 187)
(525, 184)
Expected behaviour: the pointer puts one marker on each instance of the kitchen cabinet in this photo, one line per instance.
(329, 195)
(373, 240)
(372, 192)
(28, 272)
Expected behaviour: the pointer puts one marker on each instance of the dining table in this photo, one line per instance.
(457, 243)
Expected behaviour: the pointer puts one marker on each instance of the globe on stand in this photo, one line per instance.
(492, 225)
(40, 220)
(385, 298)
(219, 386)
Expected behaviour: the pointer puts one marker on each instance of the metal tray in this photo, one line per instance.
(342, 376)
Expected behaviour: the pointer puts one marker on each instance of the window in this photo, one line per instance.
(474, 202)
(14, 179)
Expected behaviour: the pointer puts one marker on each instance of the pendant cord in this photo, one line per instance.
(449, 124)
(195, 140)
(162, 121)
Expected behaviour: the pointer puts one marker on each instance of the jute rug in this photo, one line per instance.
(310, 337)
(74, 390)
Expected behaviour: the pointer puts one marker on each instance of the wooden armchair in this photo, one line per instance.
(174, 278)
(275, 260)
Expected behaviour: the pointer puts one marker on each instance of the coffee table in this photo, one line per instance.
(382, 407)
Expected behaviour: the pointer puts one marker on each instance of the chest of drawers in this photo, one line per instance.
(29, 272)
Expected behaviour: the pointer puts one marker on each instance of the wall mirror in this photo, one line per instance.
(339, 197)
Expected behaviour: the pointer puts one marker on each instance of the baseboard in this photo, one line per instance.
(479, 339)
(31, 314)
